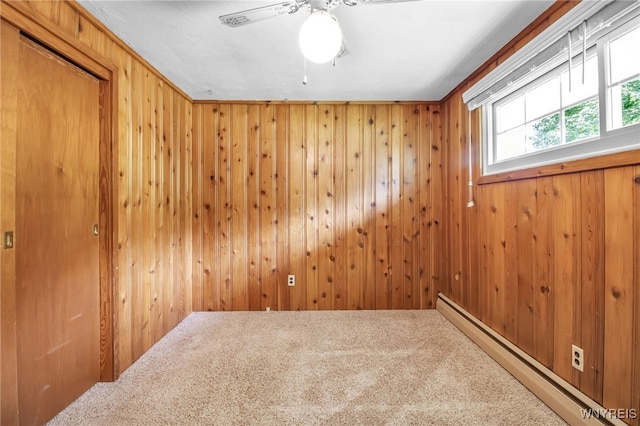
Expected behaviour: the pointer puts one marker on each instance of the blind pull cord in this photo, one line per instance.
(470, 202)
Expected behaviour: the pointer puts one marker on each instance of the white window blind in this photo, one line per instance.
(549, 48)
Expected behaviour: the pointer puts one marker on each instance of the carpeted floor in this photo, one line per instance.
(312, 368)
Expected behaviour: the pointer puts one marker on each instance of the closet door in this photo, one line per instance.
(56, 245)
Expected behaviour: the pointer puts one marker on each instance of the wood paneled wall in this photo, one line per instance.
(151, 181)
(346, 197)
(153, 244)
(548, 261)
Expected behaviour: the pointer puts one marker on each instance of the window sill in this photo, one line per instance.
(624, 158)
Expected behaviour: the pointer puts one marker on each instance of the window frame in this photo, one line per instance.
(608, 142)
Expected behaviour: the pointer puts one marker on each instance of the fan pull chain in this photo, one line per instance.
(304, 79)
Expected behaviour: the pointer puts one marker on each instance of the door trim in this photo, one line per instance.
(17, 14)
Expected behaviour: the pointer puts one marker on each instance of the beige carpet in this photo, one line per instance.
(312, 368)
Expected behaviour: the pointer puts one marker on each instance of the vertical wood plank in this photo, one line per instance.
(368, 217)
(619, 291)
(297, 209)
(210, 211)
(162, 280)
(396, 187)
(225, 204)
(382, 207)
(148, 209)
(311, 206)
(544, 291)
(238, 283)
(510, 250)
(482, 212)
(424, 207)
(591, 306)
(197, 216)
(436, 228)
(472, 275)
(324, 200)
(566, 223)
(123, 346)
(342, 286)
(268, 197)
(454, 205)
(167, 139)
(526, 269)
(282, 184)
(496, 260)
(254, 205)
(352, 211)
(187, 190)
(174, 206)
(136, 217)
(411, 233)
(179, 167)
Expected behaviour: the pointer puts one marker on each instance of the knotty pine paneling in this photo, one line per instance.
(153, 209)
(549, 261)
(152, 186)
(339, 195)
(553, 261)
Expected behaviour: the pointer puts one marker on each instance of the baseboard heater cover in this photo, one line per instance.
(568, 402)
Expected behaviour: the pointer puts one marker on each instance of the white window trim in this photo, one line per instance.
(610, 141)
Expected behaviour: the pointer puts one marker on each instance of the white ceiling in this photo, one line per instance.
(418, 50)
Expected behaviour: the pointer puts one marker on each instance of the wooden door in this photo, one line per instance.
(57, 269)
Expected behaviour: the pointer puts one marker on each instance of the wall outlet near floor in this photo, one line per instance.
(577, 358)
(291, 280)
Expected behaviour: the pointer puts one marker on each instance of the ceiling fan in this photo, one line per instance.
(320, 36)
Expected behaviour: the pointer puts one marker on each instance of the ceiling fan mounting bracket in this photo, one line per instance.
(326, 5)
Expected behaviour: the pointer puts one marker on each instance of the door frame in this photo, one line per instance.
(24, 21)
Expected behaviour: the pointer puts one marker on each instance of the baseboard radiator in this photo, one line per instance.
(567, 401)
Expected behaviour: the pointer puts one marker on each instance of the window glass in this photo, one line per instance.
(625, 56)
(582, 121)
(625, 79)
(630, 102)
(543, 99)
(544, 133)
(511, 144)
(578, 90)
(510, 114)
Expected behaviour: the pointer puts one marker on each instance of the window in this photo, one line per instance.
(623, 84)
(547, 113)
(548, 108)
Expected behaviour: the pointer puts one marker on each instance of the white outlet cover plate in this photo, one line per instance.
(580, 357)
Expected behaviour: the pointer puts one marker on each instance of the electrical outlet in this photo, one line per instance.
(577, 358)
(291, 280)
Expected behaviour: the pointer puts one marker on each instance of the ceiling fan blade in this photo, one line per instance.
(383, 1)
(245, 17)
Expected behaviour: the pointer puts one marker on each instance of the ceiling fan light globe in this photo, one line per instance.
(320, 37)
